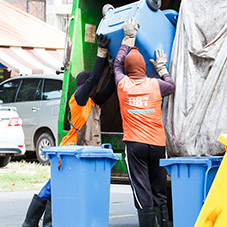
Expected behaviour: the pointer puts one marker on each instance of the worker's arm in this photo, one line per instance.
(82, 95)
(166, 83)
(119, 64)
(106, 92)
(130, 30)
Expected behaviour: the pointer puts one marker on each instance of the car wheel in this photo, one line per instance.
(4, 160)
(44, 140)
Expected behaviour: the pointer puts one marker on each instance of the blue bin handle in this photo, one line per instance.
(106, 145)
(59, 156)
(209, 178)
(172, 16)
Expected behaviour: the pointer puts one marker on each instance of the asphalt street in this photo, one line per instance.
(13, 207)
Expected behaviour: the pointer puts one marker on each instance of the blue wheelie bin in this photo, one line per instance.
(191, 179)
(157, 30)
(80, 190)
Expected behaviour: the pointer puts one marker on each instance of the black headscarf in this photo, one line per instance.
(82, 77)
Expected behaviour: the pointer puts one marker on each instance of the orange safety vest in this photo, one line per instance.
(80, 116)
(140, 105)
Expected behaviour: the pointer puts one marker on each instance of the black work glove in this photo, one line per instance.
(102, 42)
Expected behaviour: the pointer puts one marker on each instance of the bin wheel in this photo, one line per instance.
(154, 4)
(44, 140)
(106, 8)
(4, 160)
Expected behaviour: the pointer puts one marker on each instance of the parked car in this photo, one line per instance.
(11, 135)
(37, 99)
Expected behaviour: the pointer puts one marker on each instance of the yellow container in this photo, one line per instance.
(214, 210)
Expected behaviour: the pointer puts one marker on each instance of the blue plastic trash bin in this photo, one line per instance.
(80, 190)
(191, 179)
(157, 30)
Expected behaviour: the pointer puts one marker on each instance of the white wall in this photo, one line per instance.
(58, 13)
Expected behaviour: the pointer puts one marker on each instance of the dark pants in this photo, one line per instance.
(148, 179)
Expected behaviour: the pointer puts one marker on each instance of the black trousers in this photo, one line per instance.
(147, 178)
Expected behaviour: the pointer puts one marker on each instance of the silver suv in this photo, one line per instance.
(37, 99)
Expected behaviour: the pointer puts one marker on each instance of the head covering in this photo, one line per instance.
(134, 63)
(82, 77)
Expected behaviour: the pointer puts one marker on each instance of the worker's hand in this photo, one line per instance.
(160, 63)
(130, 31)
(59, 164)
(130, 28)
(102, 42)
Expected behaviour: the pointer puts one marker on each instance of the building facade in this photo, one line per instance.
(54, 12)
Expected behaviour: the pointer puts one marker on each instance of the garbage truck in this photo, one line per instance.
(196, 114)
(87, 19)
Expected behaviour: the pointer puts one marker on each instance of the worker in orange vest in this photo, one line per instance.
(85, 126)
(140, 99)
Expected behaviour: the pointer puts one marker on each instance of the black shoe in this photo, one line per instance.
(148, 217)
(158, 214)
(35, 212)
(47, 219)
(164, 216)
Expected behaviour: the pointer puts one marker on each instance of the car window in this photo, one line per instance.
(52, 89)
(30, 90)
(8, 91)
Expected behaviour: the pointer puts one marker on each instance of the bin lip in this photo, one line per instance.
(82, 152)
(189, 160)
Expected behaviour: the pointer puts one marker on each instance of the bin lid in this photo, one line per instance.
(104, 151)
(191, 160)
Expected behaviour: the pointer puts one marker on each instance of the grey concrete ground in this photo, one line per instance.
(13, 207)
